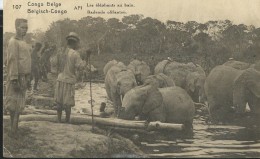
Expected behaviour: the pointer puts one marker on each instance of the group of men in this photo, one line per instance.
(40, 62)
(21, 64)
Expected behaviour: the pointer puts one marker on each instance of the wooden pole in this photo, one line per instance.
(164, 126)
(90, 87)
(112, 122)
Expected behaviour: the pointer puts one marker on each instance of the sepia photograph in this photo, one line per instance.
(131, 79)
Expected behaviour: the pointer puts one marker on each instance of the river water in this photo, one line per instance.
(205, 140)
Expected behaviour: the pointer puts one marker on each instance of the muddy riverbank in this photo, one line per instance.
(43, 139)
(47, 139)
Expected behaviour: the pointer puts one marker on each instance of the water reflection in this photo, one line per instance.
(205, 141)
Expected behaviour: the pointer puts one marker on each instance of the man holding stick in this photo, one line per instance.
(18, 73)
(70, 61)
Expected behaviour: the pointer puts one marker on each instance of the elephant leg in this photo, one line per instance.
(157, 115)
(254, 112)
(59, 112)
(68, 112)
(116, 104)
(221, 114)
(188, 124)
(213, 110)
(214, 113)
(193, 97)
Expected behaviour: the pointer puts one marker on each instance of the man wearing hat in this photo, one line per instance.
(65, 86)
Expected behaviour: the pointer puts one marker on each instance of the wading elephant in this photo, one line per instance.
(118, 81)
(188, 76)
(159, 80)
(110, 64)
(228, 90)
(170, 105)
(140, 69)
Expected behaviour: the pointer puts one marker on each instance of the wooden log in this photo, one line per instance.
(112, 122)
(164, 126)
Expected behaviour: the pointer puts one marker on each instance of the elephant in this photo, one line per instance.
(169, 104)
(140, 69)
(237, 64)
(190, 77)
(118, 81)
(110, 64)
(228, 90)
(160, 81)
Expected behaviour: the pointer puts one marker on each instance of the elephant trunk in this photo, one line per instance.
(124, 88)
(202, 96)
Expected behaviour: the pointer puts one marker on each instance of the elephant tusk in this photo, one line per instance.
(121, 98)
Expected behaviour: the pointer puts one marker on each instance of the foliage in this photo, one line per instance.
(208, 44)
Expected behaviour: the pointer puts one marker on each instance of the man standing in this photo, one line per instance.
(53, 74)
(35, 65)
(45, 54)
(18, 70)
(65, 87)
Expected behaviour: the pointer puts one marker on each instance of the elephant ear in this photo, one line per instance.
(239, 93)
(153, 100)
(253, 82)
(247, 81)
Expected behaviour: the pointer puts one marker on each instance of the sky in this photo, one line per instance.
(238, 11)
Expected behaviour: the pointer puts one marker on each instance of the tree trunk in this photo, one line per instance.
(113, 122)
(164, 126)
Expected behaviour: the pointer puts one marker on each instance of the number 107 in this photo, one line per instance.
(17, 6)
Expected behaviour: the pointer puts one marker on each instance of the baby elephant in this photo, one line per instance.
(170, 105)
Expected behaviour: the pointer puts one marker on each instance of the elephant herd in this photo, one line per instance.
(170, 95)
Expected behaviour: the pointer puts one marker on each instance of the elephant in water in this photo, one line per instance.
(188, 76)
(118, 81)
(160, 81)
(110, 64)
(140, 69)
(170, 105)
(228, 90)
